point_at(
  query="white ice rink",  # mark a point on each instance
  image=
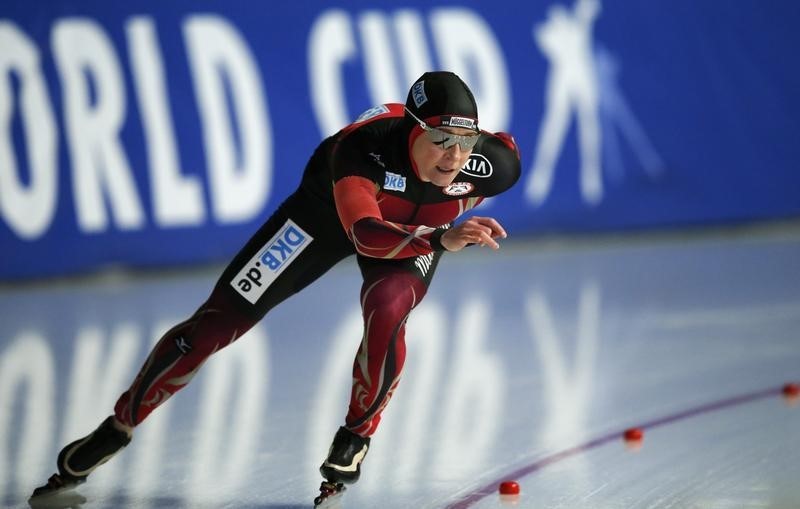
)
(527, 364)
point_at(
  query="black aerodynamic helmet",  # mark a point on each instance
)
(441, 98)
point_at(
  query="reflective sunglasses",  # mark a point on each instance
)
(444, 139)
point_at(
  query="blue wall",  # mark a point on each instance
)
(150, 134)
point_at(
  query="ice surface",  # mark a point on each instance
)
(513, 358)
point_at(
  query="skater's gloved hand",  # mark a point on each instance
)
(476, 230)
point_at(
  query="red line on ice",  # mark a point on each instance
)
(490, 488)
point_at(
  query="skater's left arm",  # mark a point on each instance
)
(476, 230)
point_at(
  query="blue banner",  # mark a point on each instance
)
(151, 134)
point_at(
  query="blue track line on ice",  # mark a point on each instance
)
(491, 488)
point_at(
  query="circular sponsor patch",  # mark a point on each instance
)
(458, 188)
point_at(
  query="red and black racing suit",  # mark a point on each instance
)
(360, 195)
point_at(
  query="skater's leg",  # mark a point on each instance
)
(388, 294)
(239, 301)
(180, 353)
(386, 300)
(226, 315)
(169, 367)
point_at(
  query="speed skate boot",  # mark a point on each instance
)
(343, 464)
(79, 459)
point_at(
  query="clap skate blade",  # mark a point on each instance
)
(329, 494)
(57, 493)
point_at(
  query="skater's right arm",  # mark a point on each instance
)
(357, 206)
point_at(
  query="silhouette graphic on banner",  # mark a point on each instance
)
(583, 81)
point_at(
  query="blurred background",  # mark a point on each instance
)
(653, 263)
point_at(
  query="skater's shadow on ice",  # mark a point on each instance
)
(62, 501)
(77, 501)
(174, 503)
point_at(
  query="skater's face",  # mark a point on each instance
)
(436, 164)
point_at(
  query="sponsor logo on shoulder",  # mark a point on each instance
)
(418, 93)
(478, 166)
(394, 182)
(281, 250)
(458, 188)
(373, 112)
